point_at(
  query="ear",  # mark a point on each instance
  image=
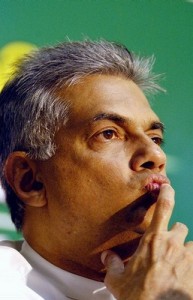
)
(21, 173)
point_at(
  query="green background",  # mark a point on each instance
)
(163, 28)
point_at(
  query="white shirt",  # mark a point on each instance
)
(25, 275)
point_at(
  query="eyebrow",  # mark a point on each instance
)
(111, 117)
(158, 125)
(121, 120)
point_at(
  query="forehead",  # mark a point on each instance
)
(98, 94)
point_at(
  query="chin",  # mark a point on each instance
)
(124, 245)
(124, 250)
(127, 249)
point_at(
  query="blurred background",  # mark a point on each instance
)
(163, 28)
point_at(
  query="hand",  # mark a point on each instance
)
(162, 266)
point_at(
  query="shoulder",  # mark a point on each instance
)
(14, 270)
(12, 244)
(11, 260)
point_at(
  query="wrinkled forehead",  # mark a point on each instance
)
(97, 94)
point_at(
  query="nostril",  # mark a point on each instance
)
(161, 167)
(148, 165)
(148, 158)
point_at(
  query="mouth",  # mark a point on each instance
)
(131, 222)
(139, 213)
(154, 182)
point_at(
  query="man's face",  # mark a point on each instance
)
(96, 184)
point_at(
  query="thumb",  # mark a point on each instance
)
(115, 268)
(113, 263)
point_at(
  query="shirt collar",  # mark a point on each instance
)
(47, 278)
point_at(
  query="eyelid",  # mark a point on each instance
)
(159, 139)
(115, 130)
(105, 130)
(156, 132)
(157, 135)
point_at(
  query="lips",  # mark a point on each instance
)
(138, 211)
(134, 219)
(154, 182)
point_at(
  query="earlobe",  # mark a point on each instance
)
(21, 174)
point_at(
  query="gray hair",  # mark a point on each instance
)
(31, 111)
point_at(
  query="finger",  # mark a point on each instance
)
(180, 231)
(113, 263)
(163, 209)
(189, 245)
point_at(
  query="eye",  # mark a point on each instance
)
(158, 140)
(109, 134)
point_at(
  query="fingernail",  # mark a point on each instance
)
(104, 256)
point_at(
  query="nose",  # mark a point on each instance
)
(148, 156)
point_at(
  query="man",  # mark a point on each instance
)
(82, 167)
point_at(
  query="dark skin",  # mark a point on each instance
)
(88, 192)
(162, 266)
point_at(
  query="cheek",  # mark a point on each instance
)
(109, 168)
(99, 171)
(95, 184)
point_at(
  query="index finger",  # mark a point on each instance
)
(163, 210)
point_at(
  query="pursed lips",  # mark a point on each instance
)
(154, 182)
(137, 213)
(130, 223)
(138, 210)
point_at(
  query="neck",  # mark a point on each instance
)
(63, 262)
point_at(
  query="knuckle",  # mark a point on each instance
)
(153, 237)
(180, 227)
(189, 245)
(188, 256)
(173, 243)
(157, 236)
